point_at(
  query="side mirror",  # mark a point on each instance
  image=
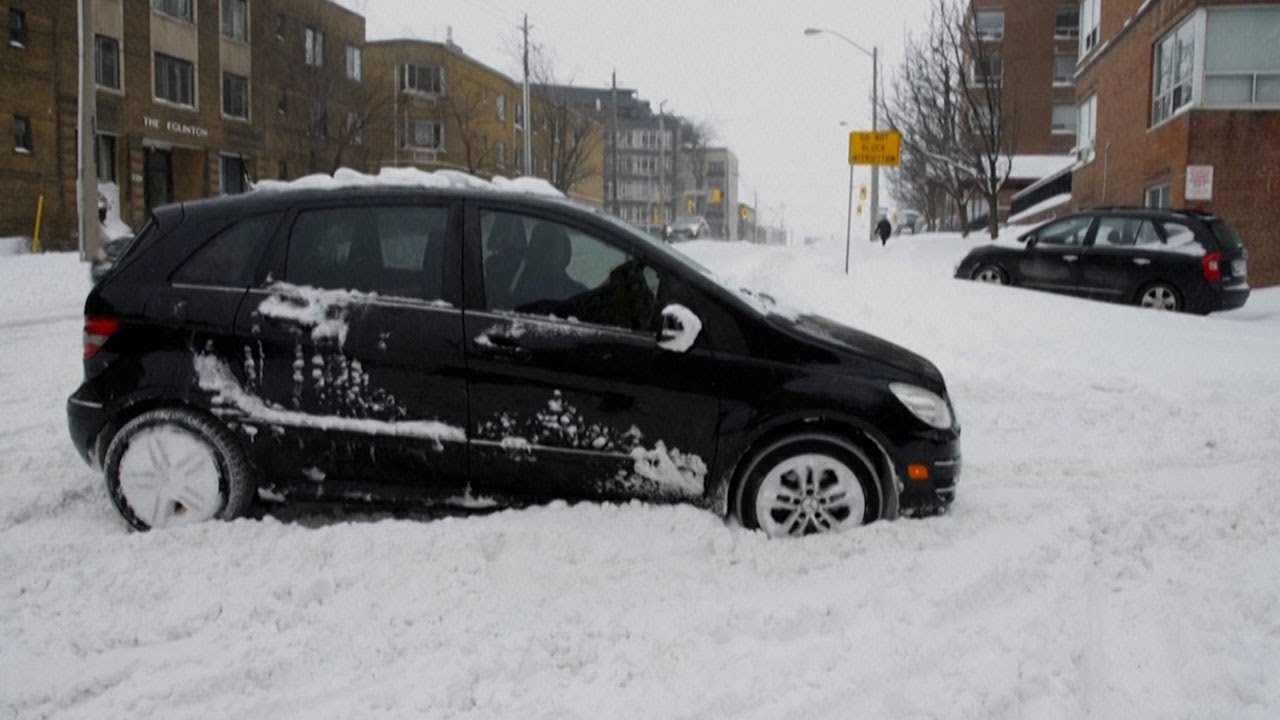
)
(1029, 239)
(678, 328)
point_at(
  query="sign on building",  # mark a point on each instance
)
(1199, 183)
(875, 148)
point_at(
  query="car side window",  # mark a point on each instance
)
(1178, 236)
(395, 250)
(542, 267)
(1117, 232)
(230, 257)
(1147, 234)
(1064, 233)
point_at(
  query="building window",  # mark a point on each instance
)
(1086, 124)
(1064, 68)
(17, 28)
(501, 154)
(355, 128)
(1242, 56)
(989, 24)
(987, 71)
(282, 169)
(1064, 119)
(425, 134)
(424, 79)
(1173, 72)
(235, 96)
(355, 63)
(314, 47)
(180, 9)
(104, 158)
(235, 19)
(1067, 22)
(1089, 10)
(280, 27)
(234, 175)
(282, 102)
(175, 80)
(519, 119)
(22, 134)
(316, 125)
(106, 61)
(502, 107)
(1157, 196)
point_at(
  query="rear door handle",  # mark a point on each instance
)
(501, 346)
(1141, 261)
(1071, 258)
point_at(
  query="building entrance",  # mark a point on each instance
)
(158, 173)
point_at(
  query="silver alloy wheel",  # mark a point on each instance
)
(169, 476)
(989, 274)
(809, 493)
(1159, 297)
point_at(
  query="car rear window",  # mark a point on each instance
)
(1227, 238)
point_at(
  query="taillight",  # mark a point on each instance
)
(1212, 264)
(96, 332)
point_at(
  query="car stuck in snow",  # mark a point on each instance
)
(413, 337)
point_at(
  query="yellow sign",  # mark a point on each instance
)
(875, 148)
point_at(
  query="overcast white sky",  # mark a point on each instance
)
(775, 96)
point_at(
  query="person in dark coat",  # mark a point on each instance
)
(883, 229)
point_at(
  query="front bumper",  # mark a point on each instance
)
(937, 489)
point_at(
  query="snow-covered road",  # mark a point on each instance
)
(1114, 550)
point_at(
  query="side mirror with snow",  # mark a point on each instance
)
(678, 328)
(1029, 239)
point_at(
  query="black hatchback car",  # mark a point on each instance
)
(392, 344)
(1162, 259)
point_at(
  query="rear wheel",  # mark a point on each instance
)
(173, 467)
(990, 274)
(1160, 296)
(808, 484)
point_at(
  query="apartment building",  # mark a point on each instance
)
(194, 98)
(721, 206)
(1179, 106)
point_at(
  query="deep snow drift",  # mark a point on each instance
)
(1114, 549)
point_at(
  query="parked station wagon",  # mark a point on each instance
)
(414, 343)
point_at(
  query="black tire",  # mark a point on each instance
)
(990, 274)
(775, 456)
(236, 483)
(1159, 296)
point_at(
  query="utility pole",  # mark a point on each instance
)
(87, 182)
(617, 210)
(875, 127)
(528, 111)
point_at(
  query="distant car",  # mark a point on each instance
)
(389, 344)
(1177, 260)
(688, 227)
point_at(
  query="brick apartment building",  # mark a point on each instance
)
(195, 98)
(1164, 85)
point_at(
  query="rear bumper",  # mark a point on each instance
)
(86, 417)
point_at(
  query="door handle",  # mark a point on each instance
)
(1071, 258)
(502, 346)
(1141, 261)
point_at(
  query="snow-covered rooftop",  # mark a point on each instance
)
(412, 177)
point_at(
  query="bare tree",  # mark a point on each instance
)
(567, 137)
(471, 110)
(698, 137)
(326, 121)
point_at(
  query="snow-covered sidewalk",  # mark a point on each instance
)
(1114, 550)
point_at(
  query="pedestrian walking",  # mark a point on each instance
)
(883, 229)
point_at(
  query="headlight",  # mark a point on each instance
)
(929, 407)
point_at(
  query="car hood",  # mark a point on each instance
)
(864, 345)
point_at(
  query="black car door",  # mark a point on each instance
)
(1119, 257)
(1051, 259)
(571, 393)
(355, 369)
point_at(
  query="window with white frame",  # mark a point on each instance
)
(180, 9)
(355, 63)
(104, 157)
(1173, 72)
(1242, 56)
(235, 96)
(314, 47)
(1157, 196)
(422, 79)
(1089, 12)
(1087, 124)
(22, 142)
(986, 70)
(1066, 23)
(1064, 120)
(317, 120)
(106, 61)
(502, 107)
(234, 174)
(425, 134)
(17, 28)
(500, 154)
(235, 19)
(175, 80)
(989, 24)
(519, 114)
(1064, 68)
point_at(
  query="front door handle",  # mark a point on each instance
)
(1141, 261)
(1071, 258)
(501, 346)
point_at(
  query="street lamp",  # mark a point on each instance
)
(873, 53)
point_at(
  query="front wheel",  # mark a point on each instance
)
(173, 466)
(808, 484)
(990, 274)
(1160, 296)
